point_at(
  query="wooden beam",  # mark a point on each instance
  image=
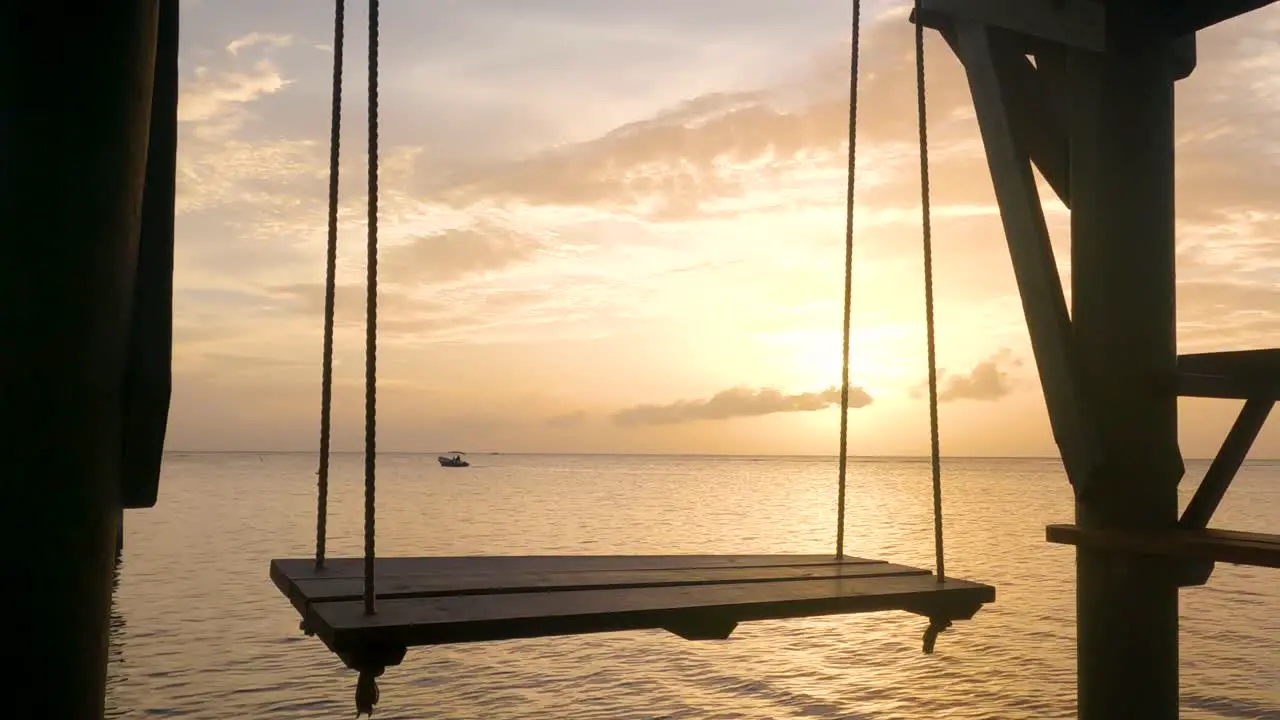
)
(1184, 57)
(1036, 100)
(1195, 572)
(1184, 17)
(1223, 387)
(1051, 70)
(1031, 109)
(1075, 23)
(1034, 265)
(1249, 363)
(119, 544)
(1025, 26)
(1236, 375)
(1228, 546)
(148, 373)
(1226, 464)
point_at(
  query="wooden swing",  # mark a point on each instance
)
(369, 611)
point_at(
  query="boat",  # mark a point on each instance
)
(453, 460)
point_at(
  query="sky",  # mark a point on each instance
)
(619, 227)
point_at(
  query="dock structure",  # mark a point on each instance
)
(1083, 89)
(88, 130)
(88, 146)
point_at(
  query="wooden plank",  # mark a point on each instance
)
(1190, 16)
(304, 568)
(1229, 546)
(1034, 266)
(1226, 464)
(1076, 23)
(1234, 363)
(1238, 374)
(1223, 387)
(456, 619)
(429, 585)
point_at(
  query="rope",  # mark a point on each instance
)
(367, 693)
(331, 265)
(848, 278)
(936, 627)
(927, 232)
(371, 327)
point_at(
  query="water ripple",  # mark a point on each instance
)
(198, 631)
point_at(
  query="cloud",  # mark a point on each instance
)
(734, 403)
(988, 380)
(349, 304)
(677, 156)
(1226, 142)
(270, 180)
(408, 317)
(567, 420)
(259, 38)
(483, 316)
(1226, 314)
(282, 180)
(456, 253)
(250, 203)
(720, 147)
(208, 93)
(758, 170)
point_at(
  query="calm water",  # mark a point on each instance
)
(200, 632)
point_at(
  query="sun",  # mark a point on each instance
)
(806, 360)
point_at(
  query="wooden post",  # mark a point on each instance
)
(1109, 67)
(148, 368)
(1120, 121)
(73, 146)
(120, 537)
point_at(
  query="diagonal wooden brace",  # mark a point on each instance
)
(1226, 463)
(1074, 23)
(1035, 268)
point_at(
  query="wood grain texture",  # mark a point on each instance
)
(443, 600)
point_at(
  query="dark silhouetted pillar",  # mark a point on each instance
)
(76, 101)
(1120, 117)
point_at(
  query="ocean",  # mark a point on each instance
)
(199, 631)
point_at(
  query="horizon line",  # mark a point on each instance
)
(651, 454)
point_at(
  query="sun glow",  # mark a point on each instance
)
(809, 359)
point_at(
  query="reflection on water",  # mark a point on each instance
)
(118, 676)
(208, 636)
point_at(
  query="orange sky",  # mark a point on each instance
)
(619, 229)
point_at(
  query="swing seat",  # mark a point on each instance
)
(446, 600)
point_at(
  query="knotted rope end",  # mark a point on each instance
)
(936, 627)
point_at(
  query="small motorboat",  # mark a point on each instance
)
(453, 460)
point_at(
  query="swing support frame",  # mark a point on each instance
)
(1095, 114)
(405, 602)
(80, 191)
